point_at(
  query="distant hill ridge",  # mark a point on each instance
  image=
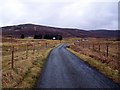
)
(31, 29)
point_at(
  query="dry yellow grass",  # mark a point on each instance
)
(108, 65)
(22, 69)
(102, 67)
(86, 47)
(26, 70)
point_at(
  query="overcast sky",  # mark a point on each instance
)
(82, 14)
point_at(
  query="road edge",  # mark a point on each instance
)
(112, 74)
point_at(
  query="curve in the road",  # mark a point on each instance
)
(64, 70)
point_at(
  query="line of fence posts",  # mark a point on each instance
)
(13, 51)
(93, 47)
(26, 51)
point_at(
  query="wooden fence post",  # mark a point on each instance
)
(46, 44)
(107, 49)
(12, 61)
(33, 48)
(26, 51)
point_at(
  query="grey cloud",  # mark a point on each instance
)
(73, 13)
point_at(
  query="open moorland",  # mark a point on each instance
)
(103, 54)
(23, 59)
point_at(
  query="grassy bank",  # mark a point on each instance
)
(33, 72)
(28, 57)
(26, 71)
(102, 67)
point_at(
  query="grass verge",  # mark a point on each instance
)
(33, 72)
(26, 71)
(102, 67)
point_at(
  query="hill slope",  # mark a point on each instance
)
(32, 29)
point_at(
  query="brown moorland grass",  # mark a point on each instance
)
(91, 48)
(108, 65)
(26, 70)
(102, 67)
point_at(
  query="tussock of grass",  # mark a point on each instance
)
(102, 67)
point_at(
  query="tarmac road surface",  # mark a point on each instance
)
(64, 70)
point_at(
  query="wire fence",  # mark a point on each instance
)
(105, 51)
(22, 50)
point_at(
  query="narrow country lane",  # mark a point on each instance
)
(64, 70)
